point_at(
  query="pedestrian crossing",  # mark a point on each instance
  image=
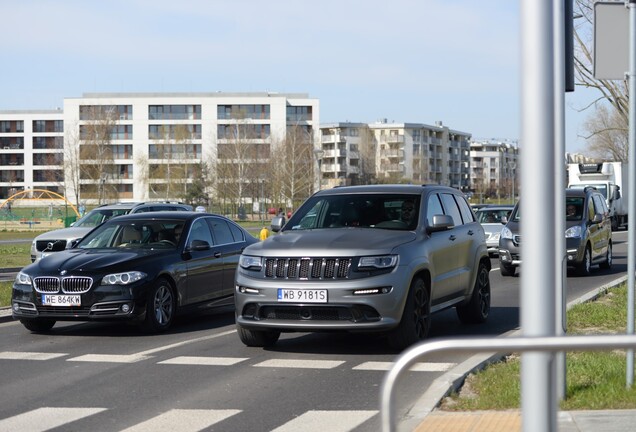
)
(183, 420)
(222, 361)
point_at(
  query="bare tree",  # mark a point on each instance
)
(170, 171)
(607, 126)
(296, 171)
(96, 153)
(367, 164)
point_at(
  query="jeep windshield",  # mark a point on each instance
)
(384, 211)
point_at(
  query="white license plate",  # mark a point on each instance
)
(302, 295)
(61, 300)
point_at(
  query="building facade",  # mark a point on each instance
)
(493, 168)
(354, 153)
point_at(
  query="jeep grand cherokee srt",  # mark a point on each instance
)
(366, 258)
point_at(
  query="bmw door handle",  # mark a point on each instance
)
(452, 237)
(217, 254)
(470, 232)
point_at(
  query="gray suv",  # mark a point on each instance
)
(588, 234)
(58, 240)
(378, 258)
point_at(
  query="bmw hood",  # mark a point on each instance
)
(331, 242)
(89, 261)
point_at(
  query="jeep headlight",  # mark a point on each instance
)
(124, 278)
(506, 233)
(250, 262)
(573, 232)
(377, 262)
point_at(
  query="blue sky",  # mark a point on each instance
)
(420, 61)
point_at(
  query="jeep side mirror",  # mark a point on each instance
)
(277, 223)
(440, 223)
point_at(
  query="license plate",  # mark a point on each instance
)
(61, 300)
(302, 295)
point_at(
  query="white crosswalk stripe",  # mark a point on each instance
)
(332, 421)
(298, 363)
(417, 367)
(183, 420)
(43, 419)
(14, 355)
(204, 361)
(110, 358)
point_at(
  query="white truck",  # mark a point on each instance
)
(610, 178)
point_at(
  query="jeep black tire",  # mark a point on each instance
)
(257, 338)
(478, 308)
(416, 317)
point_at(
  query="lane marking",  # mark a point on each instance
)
(14, 355)
(43, 419)
(183, 420)
(417, 367)
(205, 361)
(332, 421)
(304, 364)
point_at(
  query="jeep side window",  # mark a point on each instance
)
(451, 208)
(434, 207)
(467, 214)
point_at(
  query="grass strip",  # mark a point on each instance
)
(595, 380)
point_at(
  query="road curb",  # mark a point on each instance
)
(453, 380)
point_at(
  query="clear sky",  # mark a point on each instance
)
(419, 61)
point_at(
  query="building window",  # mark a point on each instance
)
(239, 112)
(174, 112)
(299, 113)
(7, 143)
(11, 126)
(103, 112)
(174, 151)
(243, 131)
(174, 132)
(48, 159)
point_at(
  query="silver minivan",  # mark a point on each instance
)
(378, 258)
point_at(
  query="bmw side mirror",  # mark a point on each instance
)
(199, 245)
(504, 220)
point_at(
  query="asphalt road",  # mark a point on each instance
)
(199, 376)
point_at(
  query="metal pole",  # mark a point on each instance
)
(538, 275)
(631, 228)
(559, 193)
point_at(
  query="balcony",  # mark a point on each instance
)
(399, 139)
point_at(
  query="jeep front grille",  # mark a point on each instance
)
(307, 268)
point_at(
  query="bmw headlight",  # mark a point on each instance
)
(22, 279)
(573, 232)
(124, 278)
(250, 262)
(506, 233)
(377, 262)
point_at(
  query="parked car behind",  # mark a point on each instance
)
(588, 234)
(143, 267)
(60, 239)
(491, 218)
(378, 258)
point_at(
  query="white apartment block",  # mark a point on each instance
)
(31, 148)
(33, 144)
(399, 152)
(493, 168)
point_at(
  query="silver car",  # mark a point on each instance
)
(492, 219)
(376, 258)
(64, 238)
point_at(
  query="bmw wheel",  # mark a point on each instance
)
(160, 307)
(38, 325)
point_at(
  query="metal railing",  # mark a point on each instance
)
(480, 345)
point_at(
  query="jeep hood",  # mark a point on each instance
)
(331, 242)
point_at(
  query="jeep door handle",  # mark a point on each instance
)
(452, 237)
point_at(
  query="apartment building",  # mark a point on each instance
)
(31, 151)
(352, 153)
(493, 168)
(143, 146)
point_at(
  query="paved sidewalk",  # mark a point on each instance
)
(510, 421)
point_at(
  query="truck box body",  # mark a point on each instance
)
(610, 178)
